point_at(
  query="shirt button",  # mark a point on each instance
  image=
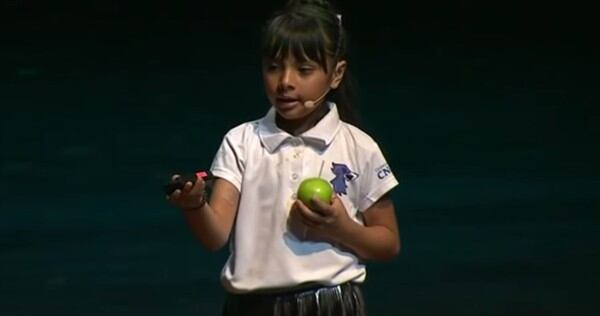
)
(294, 176)
(294, 196)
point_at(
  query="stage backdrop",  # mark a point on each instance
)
(488, 115)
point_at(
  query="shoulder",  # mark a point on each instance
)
(242, 131)
(358, 138)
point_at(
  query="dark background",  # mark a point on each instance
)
(486, 112)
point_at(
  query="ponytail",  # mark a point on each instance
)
(345, 98)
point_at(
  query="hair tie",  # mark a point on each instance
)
(339, 41)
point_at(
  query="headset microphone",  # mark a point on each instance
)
(311, 104)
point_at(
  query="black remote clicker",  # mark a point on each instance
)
(180, 181)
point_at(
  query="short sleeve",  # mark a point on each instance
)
(377, 179)
(228, 162)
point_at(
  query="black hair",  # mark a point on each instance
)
(312, 30)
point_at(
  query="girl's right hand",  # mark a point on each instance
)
(191, 196)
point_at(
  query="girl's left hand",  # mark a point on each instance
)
(320, 222)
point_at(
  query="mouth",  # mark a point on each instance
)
(285, 102)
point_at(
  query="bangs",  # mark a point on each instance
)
(303, 38)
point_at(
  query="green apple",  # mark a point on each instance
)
(315, 187)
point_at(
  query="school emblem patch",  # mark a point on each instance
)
(343, 174)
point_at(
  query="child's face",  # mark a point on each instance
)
(289, 83)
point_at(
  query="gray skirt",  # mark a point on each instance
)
(344, 299)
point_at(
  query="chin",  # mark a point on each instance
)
(291, 115)
(292, 112)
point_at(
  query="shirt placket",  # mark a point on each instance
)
(296, 164)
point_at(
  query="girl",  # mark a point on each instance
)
(288, 258)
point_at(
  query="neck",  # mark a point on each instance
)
(301, 125)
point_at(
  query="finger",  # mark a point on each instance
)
(324, 211)
(295, 224)
(175, 200)
(309, 217)
(321, 207)
(187, 187)
(198, 187)
(294, 210)
(174, 177)
(335, 199)
(297, 217)
(175, 195)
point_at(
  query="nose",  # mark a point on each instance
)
(286, 80)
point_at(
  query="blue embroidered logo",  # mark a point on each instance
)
(383, 171)
(342, 174)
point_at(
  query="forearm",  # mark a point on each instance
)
(369, 242)
(208, 226)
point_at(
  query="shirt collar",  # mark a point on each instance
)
(319, 136)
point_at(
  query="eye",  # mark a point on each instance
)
(272, 66)
(306, 69)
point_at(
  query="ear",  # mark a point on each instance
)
(338, 74)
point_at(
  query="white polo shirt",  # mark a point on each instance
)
(266, 164)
